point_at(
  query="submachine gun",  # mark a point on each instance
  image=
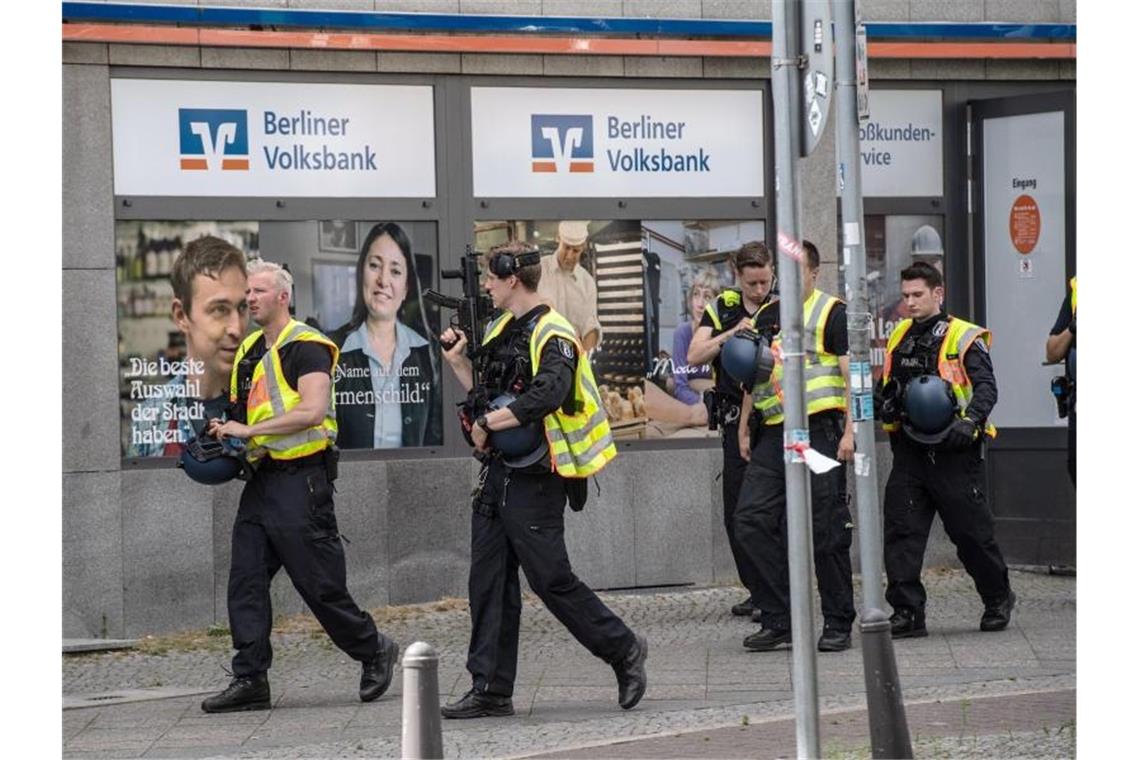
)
(471, 314)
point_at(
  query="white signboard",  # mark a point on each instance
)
(563, 143)
(1024, 180)
(901, 144)
(272, 139)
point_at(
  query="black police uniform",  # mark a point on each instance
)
(762, 512)
(517, 521)
(286, 519)
(728, 395)
(925, 480)
(1066, 319)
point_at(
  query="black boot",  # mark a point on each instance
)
(743, 609)
(376, 674)
(834, 640)
(908, 623)
(243, 693)
(478, 704)
(997, 616)
(767, 638)
(630, 671)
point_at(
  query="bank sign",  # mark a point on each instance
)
(270, 139)
(900, 145)
(545, 142)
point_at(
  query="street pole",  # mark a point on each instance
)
(885, 712)
(786, 98)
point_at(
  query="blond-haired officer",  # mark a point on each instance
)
(282, 381)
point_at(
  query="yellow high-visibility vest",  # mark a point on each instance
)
(951, 366)
(580, 443)
(824, 385)
(1073, 294)
(270, 395)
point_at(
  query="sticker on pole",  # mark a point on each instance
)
(860, 377)
(789, 246)
(797, 449)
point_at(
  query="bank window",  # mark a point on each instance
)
(894, 242)
(634, 291)
(359, 282)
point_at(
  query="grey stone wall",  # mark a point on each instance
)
(146, 550)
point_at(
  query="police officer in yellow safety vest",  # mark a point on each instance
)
(761, 513)
(1061, 345)
(751, 305)
(935, 397)
(531, 363)
(281, 394)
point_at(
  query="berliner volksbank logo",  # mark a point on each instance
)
(213, 139)
(562, 143)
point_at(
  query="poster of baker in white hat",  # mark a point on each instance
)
(568, 287)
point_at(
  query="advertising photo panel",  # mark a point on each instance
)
(894, 242)
(358, 282)
(634, 292)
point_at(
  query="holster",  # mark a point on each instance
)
(576, 493)
(332, 459)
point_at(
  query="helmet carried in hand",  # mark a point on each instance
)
(211, 462)
(928, 409)
(747, 358)
(520, 446)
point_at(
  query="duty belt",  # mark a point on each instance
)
(292, 465)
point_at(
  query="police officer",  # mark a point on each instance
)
(749, 306)
(281, 388)
(1061, 345)
(761, 514)
(531, 352)
(936, 395)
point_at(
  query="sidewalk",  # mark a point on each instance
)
(707, 696)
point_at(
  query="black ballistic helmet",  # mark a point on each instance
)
(928, 409)
(747, 358)
(210, 461)
(520, 446)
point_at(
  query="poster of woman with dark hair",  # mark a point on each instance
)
(387, 383)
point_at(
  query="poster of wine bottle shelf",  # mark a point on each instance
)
(620, 362)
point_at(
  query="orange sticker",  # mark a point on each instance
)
(1024, 224)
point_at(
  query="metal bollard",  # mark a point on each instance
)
(422, 737)
(889, 734)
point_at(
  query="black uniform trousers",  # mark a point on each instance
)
(951, 484)
(1072, 453)
(762, 526)
(286, 519)
(523, 526)
(732, 475)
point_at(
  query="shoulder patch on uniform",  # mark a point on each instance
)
(565, 347)
(730, 297)
(940, 328)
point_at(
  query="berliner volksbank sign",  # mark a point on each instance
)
(182, 138)
(540, 142)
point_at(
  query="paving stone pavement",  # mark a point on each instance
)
(700, 679)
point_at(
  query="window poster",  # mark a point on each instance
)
(893, 243)
(634, 292)
(182, 315)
